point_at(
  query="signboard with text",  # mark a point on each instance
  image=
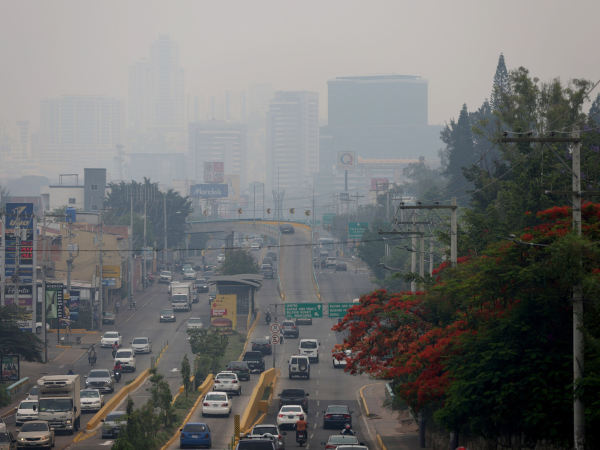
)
(54, 301)
(339, 309)
(346, 161)
(303, 310)
(328, 218)
(356, 229)
(223, 313)
(209, 190)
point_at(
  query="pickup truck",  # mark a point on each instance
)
(255, 361)
(331, 262)
(294, 397)
(268, 431)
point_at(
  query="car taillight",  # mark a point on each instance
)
(328, 416)
(293, 326)
(268, 345)
(205, 404)
(224, 404)
(217, 381)
(234, 381)
(330, 446)
(280, 415)
(346, 416)
(280, 437)
(182, 436)
(207, 436)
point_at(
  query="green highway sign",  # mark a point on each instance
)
(339, 309)
(356, 229)
(328, 219)
(303, 310)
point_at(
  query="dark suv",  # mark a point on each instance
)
(294, 397)
(290, 328)
(241, 369)
(286, 228)
(262, 345)
(255, 360)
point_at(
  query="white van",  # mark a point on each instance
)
(310, 348)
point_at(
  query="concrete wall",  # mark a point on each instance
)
(54, 197)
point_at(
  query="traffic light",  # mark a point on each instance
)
(307, 212)
(239, 210)
(268, 210)
(292, 210)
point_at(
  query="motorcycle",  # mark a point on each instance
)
(268, 319)
(117, 374)
(301, 438)
(92, 360)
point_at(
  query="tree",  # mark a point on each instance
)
(14, 341)
(160, 396)
(186, 373)
(209, 345)
(421, 180)
(502, 86)
(4, 197)
(594, 113)
(139, 428)
(238, 262)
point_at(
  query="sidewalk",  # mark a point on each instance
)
(397, 430)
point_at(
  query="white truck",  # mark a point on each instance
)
(59, 402)
(182, 296)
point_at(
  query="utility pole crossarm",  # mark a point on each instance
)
(580, 193)
(400, 232)
(429, 207)
(574, 140)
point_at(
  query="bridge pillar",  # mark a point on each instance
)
(229, 241)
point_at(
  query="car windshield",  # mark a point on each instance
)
(90, 394)
(216, 397)
(225, 375)
(238, 365)
(27, 405)
(195, 321)
(165, 274)
(195, 428)
(107, 314)
(140, 341)
(261, 341)
(337, 410)
(34, 391)
(111, 335)
(288, 324)
(309, 344)
(123, 354)
(35, 426)
(179, 298)
(100, 373)
(265, 429)
(55, 405)
(167, 312)
(343, 440)
(288, 409)
(292, 393)
(113, 417)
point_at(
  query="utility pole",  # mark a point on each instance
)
(413, 255)
(165, 215)
(144, 252)
(254, 207)
(100, 288)
(44, 291)
(130, 278)
(431, 254)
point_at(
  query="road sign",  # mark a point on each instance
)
(275, 339)
(303, 310)
(339, 309)
(275, 328)
(328, 218)
(356, 229)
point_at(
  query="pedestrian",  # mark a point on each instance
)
(117, 304)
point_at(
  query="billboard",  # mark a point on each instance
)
(346, 161)
(344, 196)
(214, 172)
(223, 313)
(379, 184)
(21, 215)
(72, 309)
(54, 301)
(208, 190)
(233, 187)
(25, 297)
(10, 368)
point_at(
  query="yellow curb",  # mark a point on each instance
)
(380, 442)
(83, 436)
(63, 346)
(161, 353)
(248, 335)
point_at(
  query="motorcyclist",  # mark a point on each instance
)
(268, 316)
(117, 370)
(348, 431)
(301, 426)
(92, 355)
(115, 347)
(71, 372)
(323, 264)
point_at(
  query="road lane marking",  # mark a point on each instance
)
(318, 401)
(315, 425)
(311, 436)
(317, 382)
(317, 414)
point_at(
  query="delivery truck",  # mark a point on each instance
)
(182, 296)
(59, 402)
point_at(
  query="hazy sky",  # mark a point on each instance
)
(50, 48)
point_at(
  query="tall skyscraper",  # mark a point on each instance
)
(292, 139)
(259, 97)
(157, 90)
(78, 131)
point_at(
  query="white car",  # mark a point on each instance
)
(126, 356)
(195, 323)
(255, 246)
(91, 400)
(227, 382)
(340, 363)
(109, 338)
(216, 403)
(33, 394)
(189, 274)
(310, 348)
(289, 415)
(221, 258)
(141, 345)
(26, 411)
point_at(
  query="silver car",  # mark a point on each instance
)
(100, 379)
(91, 400)
(112, 424)
(195, 323)
(141, 345)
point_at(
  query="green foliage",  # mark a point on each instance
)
(203, 366)
(420, 180)
(161, 398)
(139, 428)
(238, 262)
(4, 397)
(138, 228)
(186, 373)
(14, 341)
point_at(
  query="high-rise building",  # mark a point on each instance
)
(216, 141)
(259, 97)
(292, 139)
(157, 90)
(381, 117)
(78, 131)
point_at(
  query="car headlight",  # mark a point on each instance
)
(69, 421)
(22, 439)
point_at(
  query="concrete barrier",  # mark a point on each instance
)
(16, 388)
(256, 404)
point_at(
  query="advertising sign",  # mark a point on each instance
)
(233, 187)
(111, 271)
(25, 250)
(379, 184)
(356, 229)
(21, 215)
(54, 301)
(344, 196)
(208, 190)
(10, 368)
(346, 161)
(110, 282)
(303, 310)
(223, 313)
(73, 305)
(214, 172)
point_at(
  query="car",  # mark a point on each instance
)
(290, 328)
(126, 356)
(108, 317)
(208, 274)
(352, 447)
(304, 321)
(100, 379)
(201, 285)
(262, 345)
(109, 338)
(267, 260)
(339, 359)
(255, 246)
(341, 267)
(265, 430)
(197, 267)
(221, 258)
(26, 411)
(323, 254)
(338, 440)
(289, 414)
(167, 315)
(36, 433)
(165, 277)
(7, 439)
(286, 228)
(212, 296)
(337, 416)
(227, 382)
(240, 368)
(294, 396)
(33, 394)
(112, 424)
(195, 434)
(330, 262)
(141, 345)
(195, 323)
(245, 244)
(255, 360)
(38, 327)
(310, 348)
(216, 403)
(189, 274)
(255, 444)
(272, 255)
(299, 366)
(91, 400)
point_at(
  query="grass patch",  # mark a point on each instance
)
(234, 349)
(129, 382)
(182, 407)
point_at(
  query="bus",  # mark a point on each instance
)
(326, 244)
